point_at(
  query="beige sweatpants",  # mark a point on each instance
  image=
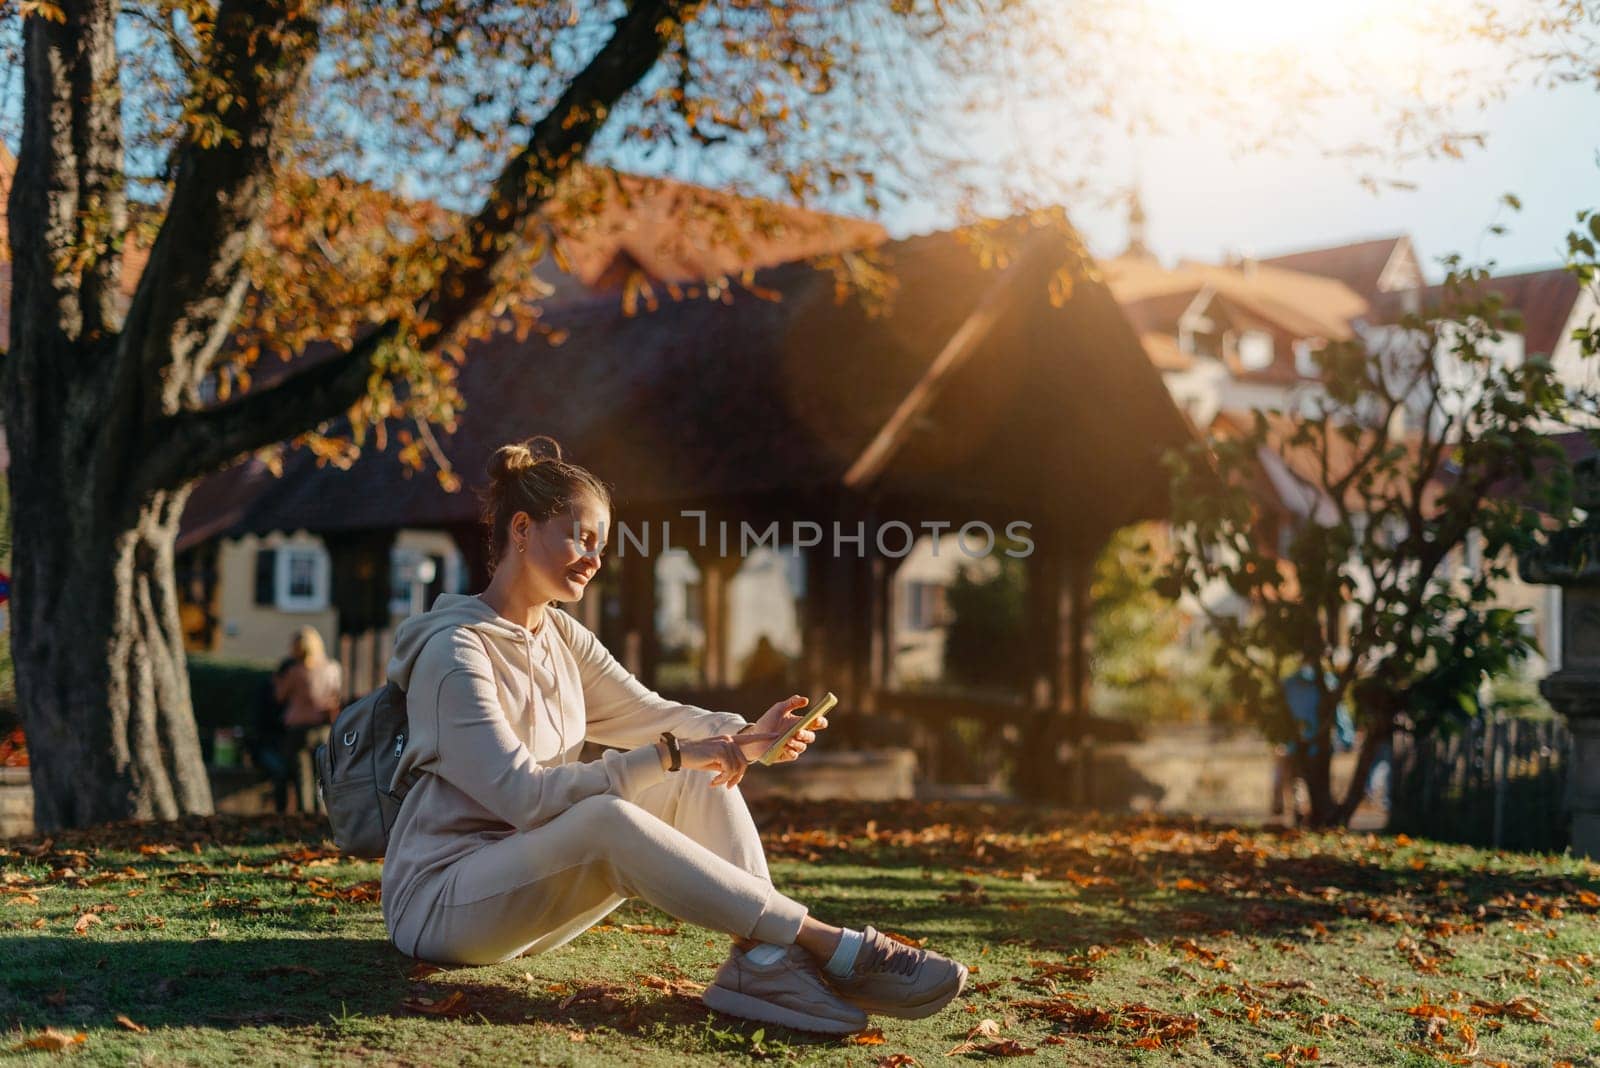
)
(686, 847)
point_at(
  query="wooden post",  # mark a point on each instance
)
(639, 643)
(1505, 738)
(716, 572)
(880, 571)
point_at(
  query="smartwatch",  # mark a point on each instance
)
(673, 751)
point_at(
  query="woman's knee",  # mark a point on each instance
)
(611, 819)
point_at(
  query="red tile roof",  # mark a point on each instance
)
(1358, 265)
(1545, 299)
(1058, 414)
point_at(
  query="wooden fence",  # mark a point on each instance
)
(1500, 782)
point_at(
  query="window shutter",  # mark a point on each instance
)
(267, 577)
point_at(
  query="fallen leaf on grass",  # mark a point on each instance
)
(588, 993)
(648, 929)
(1296, 1054)
(906, 940)
(897, 1060)
(985, 1028)
(421, 970)
(86, 921)
(680, 986)
(22, 899)
(1521, 1007)
(128, 1025)
(51, 1039)
(452, 1004)
(872, 1036)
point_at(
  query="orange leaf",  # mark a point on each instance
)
(128, 1025)
(905, 940)
(452, 1004)
(872, 1036)
(421, 970)
(86, 921)
(648, 929)
(897, 1060)
(51, 1039)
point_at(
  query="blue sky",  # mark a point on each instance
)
(1203, 202)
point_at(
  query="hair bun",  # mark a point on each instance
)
(512, 460)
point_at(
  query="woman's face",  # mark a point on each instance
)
(561, 555)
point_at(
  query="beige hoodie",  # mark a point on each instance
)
(498, 715)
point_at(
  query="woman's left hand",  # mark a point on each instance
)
(783, 715)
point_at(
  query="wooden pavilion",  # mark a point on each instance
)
(970, 395)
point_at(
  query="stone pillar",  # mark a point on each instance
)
(1569, 559)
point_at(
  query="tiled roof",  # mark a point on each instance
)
(1303, 305)
(1359, 265)
(674, 231)
(1544, 298)
(1058, 412)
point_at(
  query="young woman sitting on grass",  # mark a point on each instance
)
(509, 845)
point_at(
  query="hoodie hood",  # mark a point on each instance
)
(464, 610)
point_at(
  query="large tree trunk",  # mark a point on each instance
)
(101, 682)
(101, 408)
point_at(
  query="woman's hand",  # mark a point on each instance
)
(778, 719)
(725, 754)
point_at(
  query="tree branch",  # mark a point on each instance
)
(67, 203)
(189, 296)
(197, 442)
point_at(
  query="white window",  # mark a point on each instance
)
(1472, 553)
(301, 579)
(1255, 350)
(411, 572)
(926, 607)
(1305, 359)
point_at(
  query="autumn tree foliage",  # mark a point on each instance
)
(239, 223)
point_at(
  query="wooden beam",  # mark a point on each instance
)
(897, 430)
(715, 574)
(639, 643)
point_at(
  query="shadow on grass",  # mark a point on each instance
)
(1207, 893)
(305, 982)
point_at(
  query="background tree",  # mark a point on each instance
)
(1420, 437)
(985, 645)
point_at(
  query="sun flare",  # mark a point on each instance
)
(1257, 26)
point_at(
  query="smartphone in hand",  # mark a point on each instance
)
(812, 714)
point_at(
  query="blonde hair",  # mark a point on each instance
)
(531, 476)
(307, 647)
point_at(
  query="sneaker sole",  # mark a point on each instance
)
(944, 996)
(733, 1003)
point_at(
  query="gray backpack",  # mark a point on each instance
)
(355, 771)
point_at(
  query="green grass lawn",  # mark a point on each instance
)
(233, 941)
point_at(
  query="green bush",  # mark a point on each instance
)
(226, 693)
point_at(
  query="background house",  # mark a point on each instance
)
(1238, 336)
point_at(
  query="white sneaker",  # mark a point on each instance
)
(789, 992)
